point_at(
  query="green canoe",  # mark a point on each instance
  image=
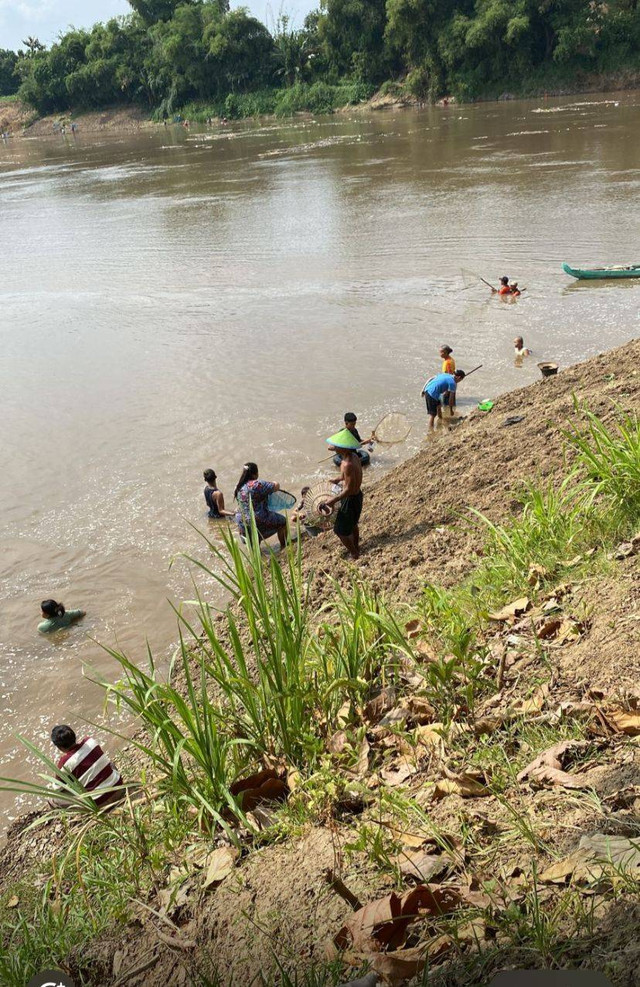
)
(621, 271)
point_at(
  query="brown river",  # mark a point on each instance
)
(175, 300)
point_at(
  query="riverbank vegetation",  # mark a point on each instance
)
(198, 56)
(318, 745)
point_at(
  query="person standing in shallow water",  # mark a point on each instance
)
(214, 498)
(347, 523)
(56, 617)
(448, 367)
(252, 492)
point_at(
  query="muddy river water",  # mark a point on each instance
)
(175, 300)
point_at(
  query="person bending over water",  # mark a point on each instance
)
(56, 616)
(214, 497)
(252, 491)
(435, 389)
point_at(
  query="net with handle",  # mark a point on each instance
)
(281, 500)
(393, 428)
(316, 495)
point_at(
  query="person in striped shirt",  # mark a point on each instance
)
(89, 765)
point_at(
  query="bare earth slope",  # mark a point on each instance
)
(481, 463)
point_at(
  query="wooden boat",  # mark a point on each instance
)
(593, 273)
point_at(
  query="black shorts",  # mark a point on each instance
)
(348, 515)
(432, 404)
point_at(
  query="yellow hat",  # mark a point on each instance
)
(343, 440)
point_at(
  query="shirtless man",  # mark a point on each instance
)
(346, 525)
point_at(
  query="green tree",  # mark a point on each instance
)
(9, 80)
(294, 51)
(352, 36)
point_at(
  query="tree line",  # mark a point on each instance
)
(169, 53)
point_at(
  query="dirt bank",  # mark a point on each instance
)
(117, 120)
(489, 837)
(394, 98)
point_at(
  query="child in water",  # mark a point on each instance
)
(214, 498)
(57, 617)
(520, 348)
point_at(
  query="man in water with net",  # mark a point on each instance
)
(347, 523)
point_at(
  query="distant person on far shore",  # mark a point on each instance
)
(214, 498)
(56, 617)
(435, 389)
(448, 367)
(88, 765)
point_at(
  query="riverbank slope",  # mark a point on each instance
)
(498, 764)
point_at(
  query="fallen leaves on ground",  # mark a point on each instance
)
(376, 708)
(534, 703)
(561, 630)
(548, 767)
(413, 628)
(536, 575)
(627, 548)
(625, 721)
(512, 610)
(420, 711)
(221, 863)
(265, 786)
(467, 784)
(596, 856)
(398, 772)
(422, 866)
(403, 964)
(382, 924)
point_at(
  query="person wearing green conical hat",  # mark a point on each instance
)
(347, 521)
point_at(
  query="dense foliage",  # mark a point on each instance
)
(168, 53)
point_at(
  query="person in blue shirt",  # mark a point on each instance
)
(435, 389)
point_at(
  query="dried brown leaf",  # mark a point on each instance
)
(550, 628)
(376, 708)
(548, 767)
(422, 866)
(413, 628)
(264, 786)
(595, 856)
(420, 710)
(466, 784)
(383, 923)
(512, 610)
(624, 721)
(338, 742)
(221, 863)
(398, 772)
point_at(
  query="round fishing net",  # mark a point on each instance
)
(394, 427)
(311, 501)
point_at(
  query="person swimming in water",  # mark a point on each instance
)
(214, 498)
(57, 617)
(505, 287)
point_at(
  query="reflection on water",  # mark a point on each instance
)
(173, 301)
